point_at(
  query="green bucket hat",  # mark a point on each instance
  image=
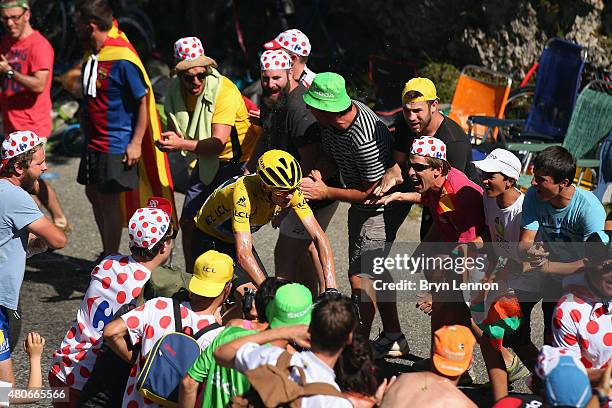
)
(328, 93)
(292, 304)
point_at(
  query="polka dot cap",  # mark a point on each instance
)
(188, 48)
(17, 143)
(428, 146)
(274, 59)
(147, 226)
(292, 40)
(548, 359)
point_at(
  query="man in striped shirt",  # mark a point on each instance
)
(355, 139)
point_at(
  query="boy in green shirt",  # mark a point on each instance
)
(221, 383)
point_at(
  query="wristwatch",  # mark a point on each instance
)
(10, 73)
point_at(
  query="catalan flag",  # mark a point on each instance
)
(154, 174)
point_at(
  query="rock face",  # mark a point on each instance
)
(499, 34)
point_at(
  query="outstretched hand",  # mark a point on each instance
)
(313, 186)
(34, 344)
(391, 178)
(170, 141)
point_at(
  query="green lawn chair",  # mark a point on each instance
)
(590, 123)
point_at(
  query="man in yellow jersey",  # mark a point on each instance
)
(242, 205)
(207, 116)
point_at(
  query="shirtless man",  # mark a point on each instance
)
(437, 388)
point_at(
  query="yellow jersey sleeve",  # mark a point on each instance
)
(229, 104)
(241, 205)
(300, 206)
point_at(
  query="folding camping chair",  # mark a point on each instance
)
(590, 123)
(556, 88)
(479, 92)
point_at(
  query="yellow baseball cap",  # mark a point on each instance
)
(211, 272)
(424, 86)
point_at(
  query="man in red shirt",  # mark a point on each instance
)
(26, 70)
(456, 206)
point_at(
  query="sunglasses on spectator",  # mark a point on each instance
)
(419, 167)
(189, 78)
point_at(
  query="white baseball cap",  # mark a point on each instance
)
(500, 161)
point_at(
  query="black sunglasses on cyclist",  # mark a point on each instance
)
(419, 167)
(189, 78)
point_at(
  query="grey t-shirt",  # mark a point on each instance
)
(17, 211)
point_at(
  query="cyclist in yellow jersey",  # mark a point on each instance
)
(242, 205)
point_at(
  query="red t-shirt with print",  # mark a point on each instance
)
(457, 209)
(23, 109)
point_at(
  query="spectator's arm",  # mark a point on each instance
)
(45, 229)
(213, 146)
(562, 268)
(314, 188)
(33, 345)
(115, 336)
(393, 174)
(226, 353)
(526, 241)
(188, 392)
(34, 83)
(133, 151)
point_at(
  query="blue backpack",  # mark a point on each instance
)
(168, 362)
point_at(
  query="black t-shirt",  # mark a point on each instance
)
(458, 147)
(291, 126)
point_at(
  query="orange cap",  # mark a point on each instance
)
(452, 353)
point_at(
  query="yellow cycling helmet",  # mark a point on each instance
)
(279, 170)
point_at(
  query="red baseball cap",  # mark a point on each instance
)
(292, 40)
(161, 203)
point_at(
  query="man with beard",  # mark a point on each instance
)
(26, 67)
(207, 116)
(288, 125)
(297, 46)
(24, 230)
(422, 117)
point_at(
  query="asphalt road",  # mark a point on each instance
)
(54, 284)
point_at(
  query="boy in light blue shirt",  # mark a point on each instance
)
(563, 216)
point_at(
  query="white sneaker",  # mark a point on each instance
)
(385, 347)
